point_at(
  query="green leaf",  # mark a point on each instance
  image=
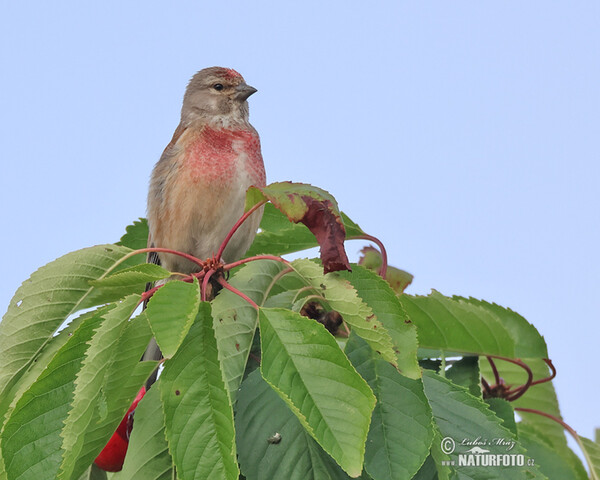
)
(124, 377)
(464, 419)
(171, 312)
(148, 455)
(93, 473)
(261, 419)
(540, 397)
(504, 411)
(540, 449)
(401, 426)
(135, 275)
(197, 408)
(315, 208)
(428, 470)
(303, 363)
(378, 295)
(465, 372)
(352, 228)
(136, 237)
(96, 412)
(236, 320)
(279, 236)
(397, 279)
(43, 359)
(468, 326)
(31, 441)
(591, 452)
(339, 295)
(440, 459)
(43, 303)
(530, 344)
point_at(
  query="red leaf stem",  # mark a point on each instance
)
(230, 266)
(494, 369)
(226, 285)
(379, 243)
(235, 227)
(191, 258)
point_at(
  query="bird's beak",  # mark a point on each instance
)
(243, 91)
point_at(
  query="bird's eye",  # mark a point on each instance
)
(218, 86)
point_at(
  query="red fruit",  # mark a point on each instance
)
(112, 456)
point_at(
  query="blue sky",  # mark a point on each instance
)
(463, 134)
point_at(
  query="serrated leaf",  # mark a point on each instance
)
(279, 236)
(401, 426)
(505, 412)
(235, 320)
(272, 442)
(541, 397)
(43, 303)
(529, 342)
(41, 361)
(171, 312)
(135, 275)
(124, 376)
(540, 449)
(591, 452)
(385, 305)
(465, 372)
(89, 393)
(315, 208)
(31, 441)
(148, 455)
(303, 363)
(464, 418)
(136, 236)
(467, 326)
(397, 279)
(197, 408)
(339, 294)
(440, 459)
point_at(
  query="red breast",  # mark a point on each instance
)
(213, 156)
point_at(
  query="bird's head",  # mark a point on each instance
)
(216, 95)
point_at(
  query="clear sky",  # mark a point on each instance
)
(464, 134)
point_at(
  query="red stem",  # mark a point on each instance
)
(518, 392)
(494, 369)
(235, 227)
(147, 294)
(224, 283)
(486, 386)
(188, 278)
(552, 375)
(191, 258)
(375, 240)
(551, 417)
(229, 266)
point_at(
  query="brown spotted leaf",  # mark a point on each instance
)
(315, 208)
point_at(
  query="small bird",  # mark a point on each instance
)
(198, 187)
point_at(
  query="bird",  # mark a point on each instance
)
(198, 187)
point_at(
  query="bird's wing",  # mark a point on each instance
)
(152, 351)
